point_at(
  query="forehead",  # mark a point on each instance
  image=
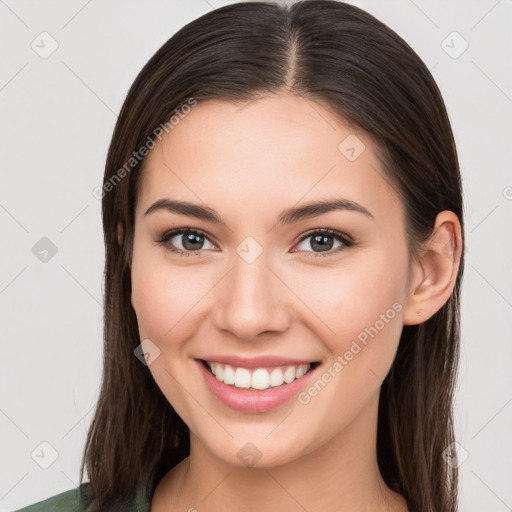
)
(263, 155)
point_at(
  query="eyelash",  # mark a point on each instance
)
(166, 236)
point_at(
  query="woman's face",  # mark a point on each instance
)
(263, 290)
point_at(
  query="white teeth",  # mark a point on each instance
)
(301, 370)
(276, 377)
(260, 378)
(229, 375)
(219, 371)
(289, 374)
(242, 378)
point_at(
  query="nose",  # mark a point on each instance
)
(252, 301)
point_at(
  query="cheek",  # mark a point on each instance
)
(362, 309)
(160, 300)
(361, 305)
(167, 299)
(354, 297)
(163, 300)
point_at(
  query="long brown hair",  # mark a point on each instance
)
(344, 58)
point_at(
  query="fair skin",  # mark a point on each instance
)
(249, 163)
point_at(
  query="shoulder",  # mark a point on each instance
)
(73, 500)
(79, 500)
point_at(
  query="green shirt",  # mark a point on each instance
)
(74, 501)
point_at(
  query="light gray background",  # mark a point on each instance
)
(57, 117)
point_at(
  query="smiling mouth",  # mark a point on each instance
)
(257, 379)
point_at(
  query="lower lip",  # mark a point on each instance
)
(253, 401)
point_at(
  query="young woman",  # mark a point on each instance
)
(283, 224)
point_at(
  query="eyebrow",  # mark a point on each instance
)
(288, 216)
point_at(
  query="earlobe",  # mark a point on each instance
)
(435, 272)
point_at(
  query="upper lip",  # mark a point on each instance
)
(256, 362)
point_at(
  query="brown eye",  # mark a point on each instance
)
(186, 241)
(323, 241)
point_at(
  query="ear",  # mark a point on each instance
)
(120, 233)
(435, 272)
